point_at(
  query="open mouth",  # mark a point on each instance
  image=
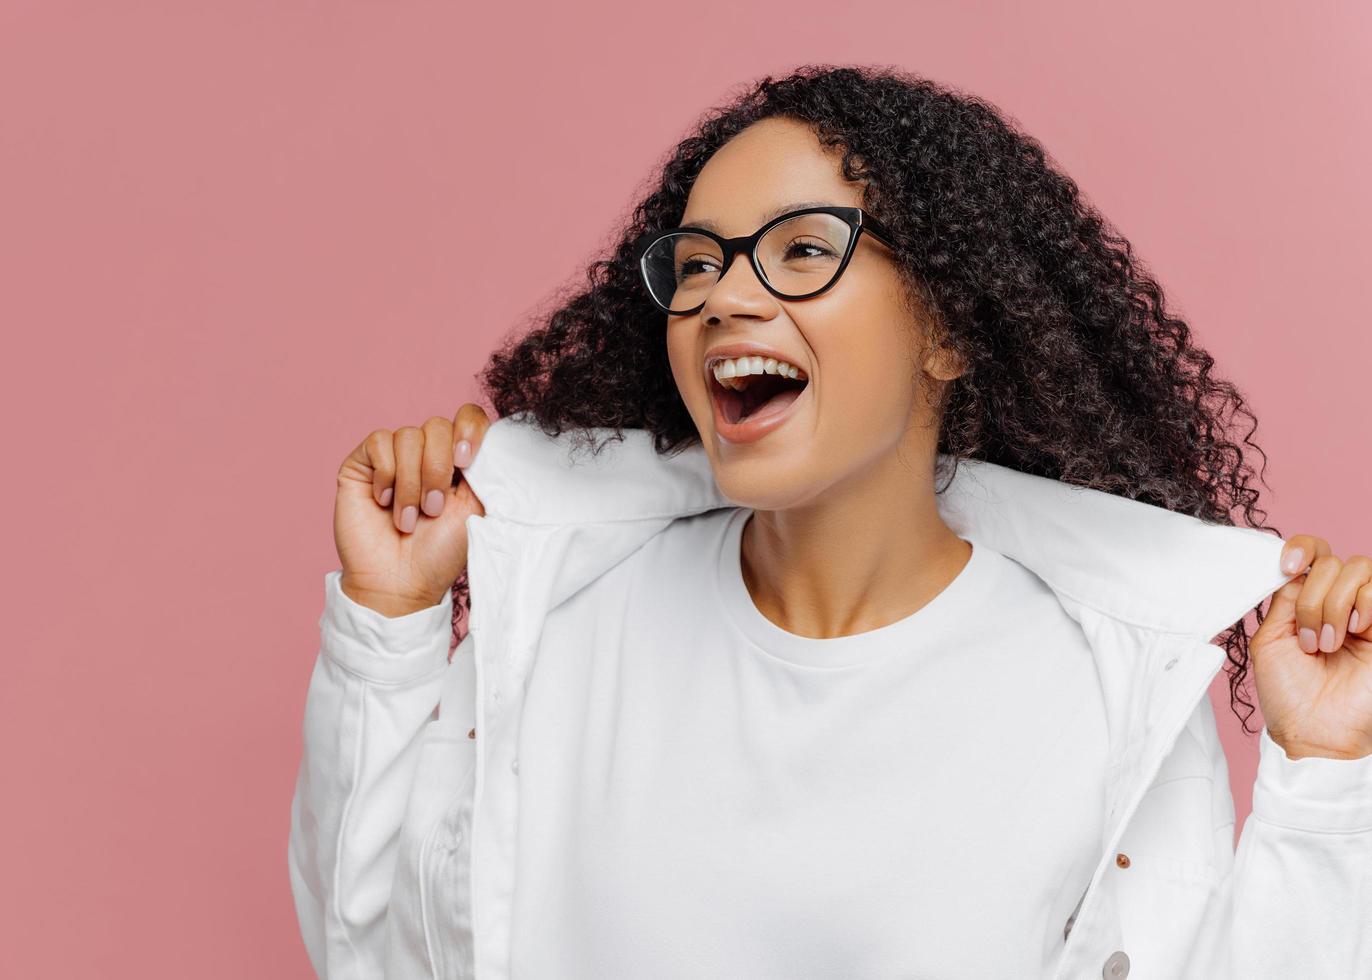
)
(758, 396)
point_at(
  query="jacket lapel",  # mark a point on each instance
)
(1136, 562)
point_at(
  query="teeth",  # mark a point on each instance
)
(733, 372)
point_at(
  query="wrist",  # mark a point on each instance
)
(387, 604)
(1295, 749)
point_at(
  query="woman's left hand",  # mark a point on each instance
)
(1312, 655)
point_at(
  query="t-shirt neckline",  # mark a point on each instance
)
(937, 621)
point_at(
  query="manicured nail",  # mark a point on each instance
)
(1307, 639)
(408, 518)
(386, 496)
(1327, 638)
(433, 503)
(1353, 621)
(462, 454)
(1293, 562)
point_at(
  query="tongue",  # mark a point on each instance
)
(776, 404)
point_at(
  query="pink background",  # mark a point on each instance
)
(236, 237)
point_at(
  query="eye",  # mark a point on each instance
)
(796, 250)
(695, 267)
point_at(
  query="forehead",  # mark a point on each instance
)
(772, 166)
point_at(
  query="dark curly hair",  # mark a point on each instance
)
(1074, 368)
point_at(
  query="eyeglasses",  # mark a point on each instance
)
(795, 255)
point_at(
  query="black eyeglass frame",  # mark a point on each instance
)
(856, 218)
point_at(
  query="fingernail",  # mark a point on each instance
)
(1293, 562)
(433, 503)
(1307, 639)
(462, 454)
(408, 518)
(1353, 621)
(386, 496)
(1327, 638)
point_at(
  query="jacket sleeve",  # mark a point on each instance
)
(375, 684)
(1294, 899)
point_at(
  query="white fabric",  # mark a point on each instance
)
(404, 844)
(811, 807)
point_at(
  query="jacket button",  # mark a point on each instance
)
(1116, 967)
(1122, 860)
(514, 766)
(472, 733)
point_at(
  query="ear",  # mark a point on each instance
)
(944, 364)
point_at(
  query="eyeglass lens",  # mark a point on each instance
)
(798, 256)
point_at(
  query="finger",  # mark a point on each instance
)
(369, 463)
(1310, 603)
(1280, 618)
(1338, 604)
(1300, 550)
(1360, 620)
(409, 463)
(469, 428)
(382, 459)
(436, 476)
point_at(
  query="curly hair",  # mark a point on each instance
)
(1074, 369)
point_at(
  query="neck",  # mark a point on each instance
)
(871, 551)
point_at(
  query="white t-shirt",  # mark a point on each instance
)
(706, 795)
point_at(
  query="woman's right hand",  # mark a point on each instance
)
(399, 523)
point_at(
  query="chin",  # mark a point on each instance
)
(763, 484)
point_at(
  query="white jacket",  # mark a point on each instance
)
(401, 849)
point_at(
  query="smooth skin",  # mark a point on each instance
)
(845, 535)
(1312, 655)
(400, 523)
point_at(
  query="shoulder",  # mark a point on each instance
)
(682, 555)
(1030, 602)
(692, 535)
(685, 545)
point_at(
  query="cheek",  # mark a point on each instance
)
(867, 379)
(681, 354)
(862, 342)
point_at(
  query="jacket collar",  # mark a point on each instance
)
(1136, 562)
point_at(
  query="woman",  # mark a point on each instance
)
(820, 732)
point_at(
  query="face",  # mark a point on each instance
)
(857, 343)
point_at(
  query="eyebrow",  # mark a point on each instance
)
(709, 225)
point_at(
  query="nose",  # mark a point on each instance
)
(741, 293)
